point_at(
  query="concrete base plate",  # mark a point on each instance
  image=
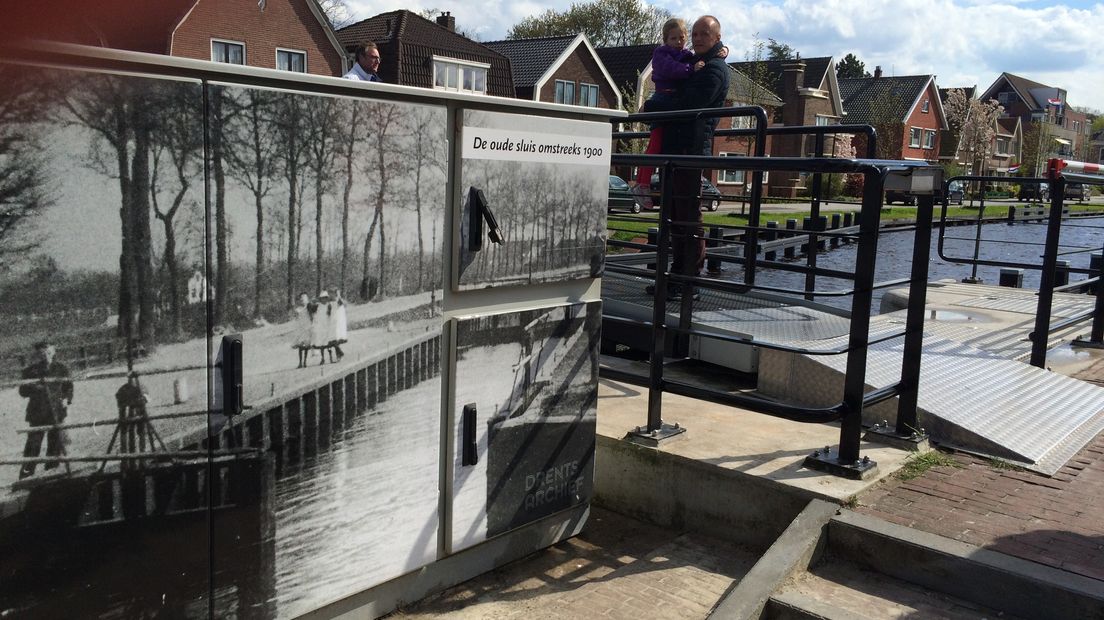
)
(829, 464)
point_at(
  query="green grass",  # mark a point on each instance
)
(637, 225)
(918, 463)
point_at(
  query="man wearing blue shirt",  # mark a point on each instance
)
(366, 65)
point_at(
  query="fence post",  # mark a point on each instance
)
(1041, 333)
(914, 319)
(771, 235)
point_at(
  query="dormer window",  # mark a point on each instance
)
(458, 75)
(924, 107)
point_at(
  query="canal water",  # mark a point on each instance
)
(372, 474)
(1021, 243)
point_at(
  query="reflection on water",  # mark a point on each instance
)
(365, 510)
(999, 242)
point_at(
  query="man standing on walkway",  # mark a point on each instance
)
(49, 392)
(366, 64)
(706, 88)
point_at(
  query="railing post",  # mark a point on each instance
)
(854, 385)
(974, 279)
(1041, 334)
(914, 320)
(659, 302)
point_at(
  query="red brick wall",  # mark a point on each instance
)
(580, 66)
(287, 24)
(924, 120)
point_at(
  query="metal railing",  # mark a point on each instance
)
(1056, 182)
(875, 174)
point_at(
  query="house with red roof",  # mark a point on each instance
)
(906, 110)
(292, 35)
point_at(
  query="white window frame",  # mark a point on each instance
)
(924, 107)
(929, 139)
(1007, 143)
(560, 96)
(288, 50)
(462, 67)
(722, 174)
(823, 120)
(245, 53)
(588, 88)
(918, 132)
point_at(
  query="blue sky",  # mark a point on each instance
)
(963, 42)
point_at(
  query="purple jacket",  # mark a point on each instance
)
(670, 66)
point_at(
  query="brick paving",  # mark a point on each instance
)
(1057, 521)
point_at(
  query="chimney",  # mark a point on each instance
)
(878, 71)
(447, 20)
(793, 76)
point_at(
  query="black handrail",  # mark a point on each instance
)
(1056, 184)
(875, 172)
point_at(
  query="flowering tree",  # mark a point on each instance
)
(973, 124)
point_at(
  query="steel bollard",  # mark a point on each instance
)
(835, 226)
(771, 235)
(1011, 277)
(789, 251)
(1061, 273)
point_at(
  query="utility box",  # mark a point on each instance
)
(409, 398)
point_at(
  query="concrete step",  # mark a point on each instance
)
(841, 590)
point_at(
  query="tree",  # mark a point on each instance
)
(776, 50)
(607, 23)
(337, 11)
(973, 124)
(179, 137)
(886, 120)
(851, 67)
(252, 159)
(23, 174)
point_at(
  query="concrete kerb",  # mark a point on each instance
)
(684, 494)
(795, 550)
(988, 578)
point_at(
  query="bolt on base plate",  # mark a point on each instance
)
(916, 441)
(666, 432)
(828, 462)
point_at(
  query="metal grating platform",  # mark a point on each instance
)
(974, 393)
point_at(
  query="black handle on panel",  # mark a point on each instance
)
(479, 212)
(470, 450)
(233, 395)
(476, 200)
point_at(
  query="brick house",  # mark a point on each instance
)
(809, 95)
(564, 69)
(1060, 130)
(291, 35)
(906, 111)
(1007, 146)
(415, 51)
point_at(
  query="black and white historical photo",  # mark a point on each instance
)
(526, 404)
(545, 185)
(318, 240)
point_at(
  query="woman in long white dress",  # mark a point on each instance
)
(320, 325)
(339, 325)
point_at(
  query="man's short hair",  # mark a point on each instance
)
(42, 345)
(363, 47)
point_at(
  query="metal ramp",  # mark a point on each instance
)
(974, 394)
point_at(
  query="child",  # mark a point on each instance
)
(671, 64)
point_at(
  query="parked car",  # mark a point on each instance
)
(1033, 191)
(1077, 191)
(892, 196)
(621, 196)
(710, 195)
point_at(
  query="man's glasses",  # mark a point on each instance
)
(375, 58)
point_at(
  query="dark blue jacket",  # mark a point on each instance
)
(706, 88)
